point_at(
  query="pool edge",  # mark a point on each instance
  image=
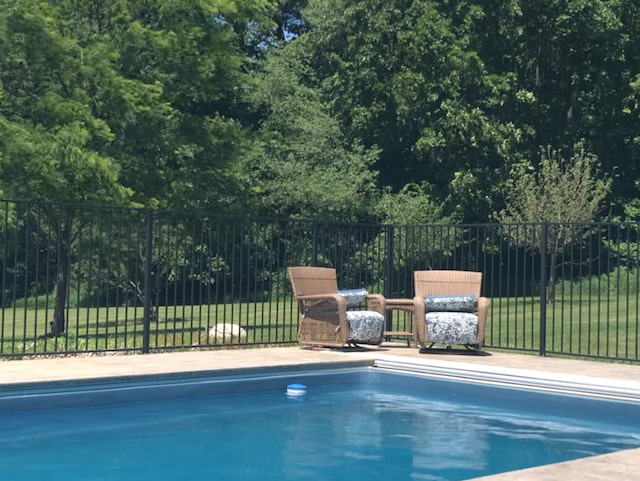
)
(531, 379)
(622, 465)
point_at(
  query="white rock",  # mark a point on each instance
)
(227, 332)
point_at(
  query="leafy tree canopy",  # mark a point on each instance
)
(560, 189)
(303, 164)
(117, 101)
(230, 104)
(565, 191)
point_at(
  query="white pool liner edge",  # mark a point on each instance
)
(524, 378)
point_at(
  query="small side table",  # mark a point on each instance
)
(405, 305)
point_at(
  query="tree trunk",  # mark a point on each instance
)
(153, 312)
(61, 289)
(551, 285)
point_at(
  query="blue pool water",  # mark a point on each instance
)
(352, 424)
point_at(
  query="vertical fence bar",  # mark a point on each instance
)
(243, 266)
(146, 331)
(543, 289)
(388, 287)
(314, 244)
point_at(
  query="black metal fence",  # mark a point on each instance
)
(78, 278)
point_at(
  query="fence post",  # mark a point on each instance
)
(146, 330)
(314, 244)
(543, 288)
(388, 281)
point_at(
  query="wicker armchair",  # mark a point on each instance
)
(465, 326)
(324, 318)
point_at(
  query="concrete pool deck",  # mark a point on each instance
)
(621, 466)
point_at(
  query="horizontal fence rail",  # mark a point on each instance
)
(78, 278)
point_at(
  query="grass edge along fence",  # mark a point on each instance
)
(80, 278)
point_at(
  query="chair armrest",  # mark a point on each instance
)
(312, 297)
(376, 302)
(419, 308)
(419, 312)
(483, 304)
(483, 311)
(319, 302)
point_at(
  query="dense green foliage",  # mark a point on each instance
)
(394, 111)
(454, 93)
(318, 108)
(122, 101)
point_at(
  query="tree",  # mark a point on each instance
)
(183, 152)
(561, 192)
(49, 134)
(303, 165)
(413, 207)
(407, 78)
(274, 29)
(449, 92)
(120, 102)
(578, 59)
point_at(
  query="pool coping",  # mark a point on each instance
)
(12, 387)
(562, 373)
(524, 378)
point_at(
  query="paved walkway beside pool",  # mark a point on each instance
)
(620, 466)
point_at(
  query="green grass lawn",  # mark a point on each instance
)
(23, 330)
(607, 329)
(601, 329)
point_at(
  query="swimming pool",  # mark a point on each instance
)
(355, 423)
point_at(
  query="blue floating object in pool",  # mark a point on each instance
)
(296, 389)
